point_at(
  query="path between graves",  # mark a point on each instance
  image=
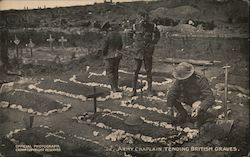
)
(63, 121)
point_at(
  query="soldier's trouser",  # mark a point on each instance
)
(112, 66)
(148, 67)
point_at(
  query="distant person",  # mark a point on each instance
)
(4, 46)
(146, 35)
(112, 52)
(192, 89)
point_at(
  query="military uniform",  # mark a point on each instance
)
(197, 89)
(112, 55)
(146, 35)
(4, 47)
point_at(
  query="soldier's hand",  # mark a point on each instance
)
(169, 110)
(196, 108)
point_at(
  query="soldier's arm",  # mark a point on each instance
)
(173, 94)
(120, 42)
(157, 34)
(207, 97)
(105, 46)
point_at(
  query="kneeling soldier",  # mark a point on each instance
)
(192, 89)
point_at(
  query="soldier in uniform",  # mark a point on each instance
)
(4, 46)
(192, 89)
(146, 35)
(112, 55)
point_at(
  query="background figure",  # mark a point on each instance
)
(192, 89)
(146, 35)
(4, 46)
(112, 54)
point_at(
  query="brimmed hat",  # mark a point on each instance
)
(133, 120)
(183, 71)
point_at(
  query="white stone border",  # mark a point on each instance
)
(118, 134)
(124, 88)
(52, 91)
(192, 132)
(128, 104)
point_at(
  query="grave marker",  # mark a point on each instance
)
(50, 40)
(94, 96)
(17, 42)
(62, 40)
(31, 45)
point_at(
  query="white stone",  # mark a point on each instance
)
(39, 113)
(64, 109)
(95, 133)
(30, 110)
(4, 104)
(13, 106)
(19, 107)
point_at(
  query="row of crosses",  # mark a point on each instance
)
(30, 45)
(62, 40)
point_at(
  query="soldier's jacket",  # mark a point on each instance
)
(112, 45)
(4, 36)
(146, 35)
(4, 43)
(197, 89)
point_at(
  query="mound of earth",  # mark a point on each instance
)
(70, 88)
(65, 144)
(178, 13)
(3, 117)
(24, 100)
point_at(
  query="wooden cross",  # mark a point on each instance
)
(31, 119)
(17, 42)
(31, 45)
(94, 96)
(62, 40)
(50, 40)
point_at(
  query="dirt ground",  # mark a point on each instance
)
(14, 119)
(54, 85)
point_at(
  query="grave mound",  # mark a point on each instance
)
(31, 102)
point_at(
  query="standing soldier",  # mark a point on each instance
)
(4, 45)
(112, 55)
(146, 35)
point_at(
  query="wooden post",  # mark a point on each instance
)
(31, 121)
(141, 89)
(226, 89)
(94, 96)
(31, 45)
(94, 99)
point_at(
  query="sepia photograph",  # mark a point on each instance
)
(124, 78)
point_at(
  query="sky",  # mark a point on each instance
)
(31, 4)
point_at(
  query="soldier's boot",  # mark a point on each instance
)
(149, 90)
(134, 85)
(116, 88)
